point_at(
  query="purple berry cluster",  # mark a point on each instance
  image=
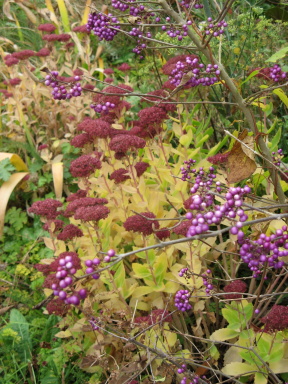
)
(101, 25)
(94, 323)
(181, 300)
(117, 4)
(183, 272)
(174, 31)
(277, 157)
(276, 73)
(195, 380)
(187, 4)
(64, 275)
(91, 265)
(207, 282)
(102, 108)
(215, 29)
(60, 91)
(266, 250)
(195, 72)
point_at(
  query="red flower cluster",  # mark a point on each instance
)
(236, 286)
(182, 228)
(161, 93)
(124, 143)
(79, 141)
(82, 202)
(124, 67)
(84, 166)
(6, 93)
(141, 167)
(77, 195)
(108, 71)
(80, 29)
(64, 37)
(276, 319)
(47, 27)
(220, 158)
(43, 52)
(46, 208)
(156, 316)
(163, 233)
(138, 223)
(14, 81)
(97, 128)
(92, 213)
(57, 307)
(57, 225)
(23, 55)
(119, 175)
(70, 232)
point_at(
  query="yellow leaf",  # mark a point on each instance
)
(57, 172)
(14, 160)
(63, 334)
(142, 291)
(5, 192)
(86, 12)
(236, 368)
(282, 96)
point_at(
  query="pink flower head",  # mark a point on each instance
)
(97, 128)
(79, 141)
(71, 44)
(119, 175)
(70, 232)
(80, 29)
(109, 80)
(57, 225)
(23, 55)
(43, 52)
(63, 37)
(182, 228)
(141, 167)
(124, 143)
(137, 223)
(11, 61)
(6, 93)
(120, 89)
(276, 319)
(47, 27)
(57, 307)
(90, 87)
(77, 195)
(163, 233)
(152, 116)
(220, 158)
(235, 286)
(84, 166)
(124, 67)
(83, 202)
(92, 213)
(46, 208)
(78, 72)
(14, 81)
(108, 71)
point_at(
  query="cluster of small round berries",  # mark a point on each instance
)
(64, 274)
(121, 6)
(102, 108)
(187, 4)
(215, 29)
(195, 72)
(277, 157)
(207, 281)
(266, 250)
(111, 253)
(181, 300)
(60, 91)
(91, 265)
(277, 74)
(195, 380)
(101, 25)
(183, 272)
(173, 31)
(93, 322)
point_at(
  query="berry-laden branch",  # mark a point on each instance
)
(236, 95)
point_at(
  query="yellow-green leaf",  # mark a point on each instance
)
(235, 369)
(224, 334)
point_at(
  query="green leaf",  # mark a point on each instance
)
(260, 378)
(252, 74)
(224, 334)
(6, 169)
(141, 270)
(282, 96)
(16, 218)
(275, 140)
(278, 55)
(231, 315)
(160, 268)
(235, 369)
(19, 324)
